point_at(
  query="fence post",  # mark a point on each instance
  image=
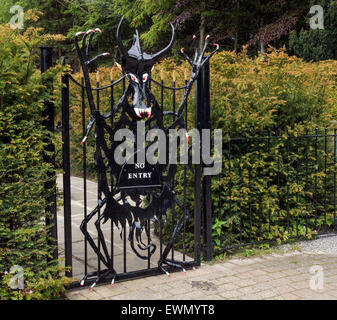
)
(49, 156)
(197, 177)
(203, 122)
(66, 172)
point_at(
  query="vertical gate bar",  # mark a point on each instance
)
(98, 187)
(306, 179)
(325, 174)
(206, 183)
(334, 180)
(229, 184)
(185, 183)
(148, 243)
(66, 173)
(124, 233)
(160, 209)
(197, 177)
(112, 102)
(241, 183)
(162, 98)
(84, 176)
(148, 220)
(250, 201)
(124, 250)
(268, 181)
(278, 180)
(297, 170)
(49, 124)
(315, 183)
(287, 177)
(173, 180)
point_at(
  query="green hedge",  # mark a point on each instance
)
(23, 174)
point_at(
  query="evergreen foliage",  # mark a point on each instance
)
(23, 173)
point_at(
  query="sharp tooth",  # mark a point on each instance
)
(137, 112)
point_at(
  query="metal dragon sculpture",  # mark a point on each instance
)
(126, 206)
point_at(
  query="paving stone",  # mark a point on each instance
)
(290, 296)
(312, 295)
(75, 296)
(275, 298)
(245, 283)
(140, 294)
(300, 285)
(106, 291)
(280, 282)
(284, 289)
(332, 293)
(227, 287)
(248, 290)
(251, 297)
(266, 294)
(227, 279)
(233, 294)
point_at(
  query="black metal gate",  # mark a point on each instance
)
(78, 255)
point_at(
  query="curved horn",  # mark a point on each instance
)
(119, 39)
(160, 53)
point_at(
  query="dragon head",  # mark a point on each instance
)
(138, 66)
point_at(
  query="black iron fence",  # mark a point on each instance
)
(275, 187)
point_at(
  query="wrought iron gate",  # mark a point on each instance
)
(74, 248)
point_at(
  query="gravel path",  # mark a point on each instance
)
(325, 244)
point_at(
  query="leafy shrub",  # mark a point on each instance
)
(23, 174)
(267, 189)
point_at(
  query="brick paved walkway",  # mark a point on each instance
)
(289, 276)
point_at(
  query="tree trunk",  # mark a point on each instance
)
(237, 27)
(236, 41)
(202, 28)
(262, 49)
(262, 44)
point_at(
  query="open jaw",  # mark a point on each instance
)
(143, 113)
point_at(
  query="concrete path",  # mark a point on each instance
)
(307, 274)
(289, 276)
